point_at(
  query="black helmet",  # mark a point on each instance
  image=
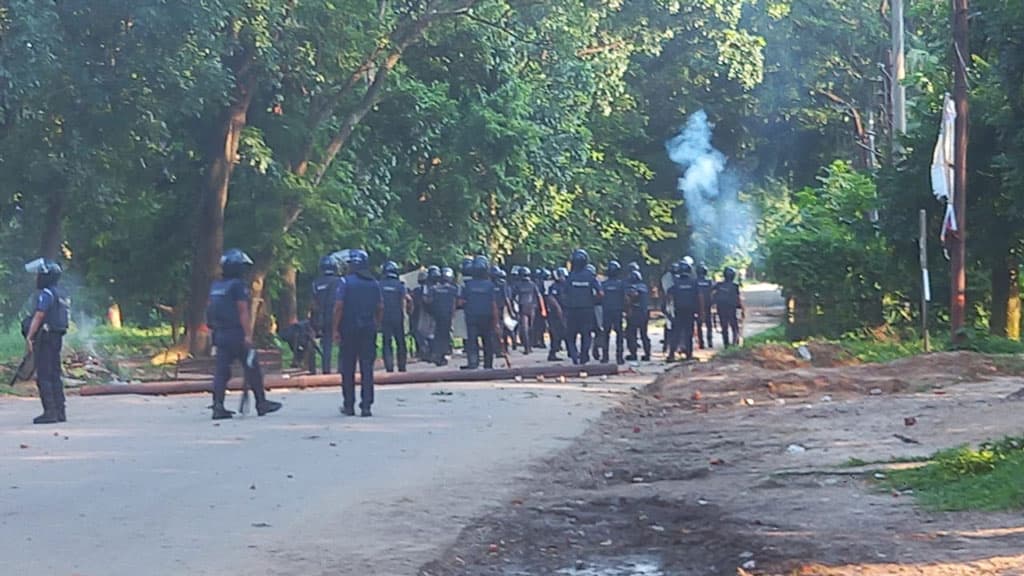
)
(328, 266)
(525, 272)
(433, 273)
(675, 268)
(390, 269)
(421, 278)
(498, 274)
(702, 270)
(48, 272)
(635, 276)
(613, 268)
(235, 263)
(729, 273)
(448, 274)
(579, 259)
(685, 269)
(561, 273)
(466, 267)
(358, 260)
(633, 266)
(542, 274)
(591, 268)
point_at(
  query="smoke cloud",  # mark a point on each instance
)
(720, 224)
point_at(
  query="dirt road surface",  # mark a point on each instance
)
(151, 486)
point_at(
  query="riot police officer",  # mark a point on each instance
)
(582, 293)
(540, 320)
(686, 301)
(502, 296)
(396, 300)
(637, 319)
(358, 311)
(704, 320)
(324, 287)
(666, 305)
(442, 299)
(613, 307)
(479, 302)
(528, 302)
(729, 301)
(229, 315)
(44, 337)
(556, 314)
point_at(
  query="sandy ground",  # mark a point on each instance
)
(151, 486)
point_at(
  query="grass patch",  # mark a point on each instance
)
(858, 463)
(988, 477)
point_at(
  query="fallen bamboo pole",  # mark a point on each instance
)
(334, 380)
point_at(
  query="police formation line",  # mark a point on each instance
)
(502, 311)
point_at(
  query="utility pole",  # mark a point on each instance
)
(958, 249)
(899, 74)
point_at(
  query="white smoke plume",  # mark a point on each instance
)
(721, 225)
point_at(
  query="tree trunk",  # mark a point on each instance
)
(1006, 309)
(220, 162)
(262, 323)
(53, 229)
(287, 309)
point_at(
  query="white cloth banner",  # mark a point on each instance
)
(942, 173)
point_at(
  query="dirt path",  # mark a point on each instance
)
(737, 468)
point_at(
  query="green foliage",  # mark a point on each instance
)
(828, 258)
(965, 478)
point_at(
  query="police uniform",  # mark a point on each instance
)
(443, 298)
(685, 299)
(556, 319)
(613, 307)
(582, 293)
(361, 299)
(728, 302)
(479, 297)
(637, 319)
(324, 288)
(53, 303)
(393, 326)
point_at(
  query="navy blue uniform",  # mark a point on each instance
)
(582, 292)
(442, 298)
(540, 324)
(637, 319)
(324, 289)
(393, 325)
(479, 297)
(613, 308)
(556, 319)
(55, 306)
(705, 325)
(229, 336)
(361, 299)
(728, 302)
(685, 299)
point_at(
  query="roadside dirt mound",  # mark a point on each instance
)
(785, 357)
(773, 372)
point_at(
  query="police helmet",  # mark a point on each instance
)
(591, 268)
(675, 268)
(48, 272)
(421, 278)
(633, 266)
(613, 268)
(433, 273)
(235, 263)
(328, 266)
(448, 274)
(702, 270)
(358, 260)
(542, 274)
(729, 273)
(498, 274)
(524, 272)
(480, 266)
(561, 273)
(579, 258)
(688, 260)
(390, 269)
(685, 269)
(466, 267)
(635, 276)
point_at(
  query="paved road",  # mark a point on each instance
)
(151, 486)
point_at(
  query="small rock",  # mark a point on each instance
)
(805, 353)
(748, 401)
(717, 461)
(260, 525)
(561, 379)
(747, 555)
(636, 429)
(584, 375)
(604, 378)
(638, 479)
(23, 446)
(540, 378)
(252, 487)
(909, 421)
(580, 565)
(696, 396)
(493, 548)
(879, 476)
(795, 449)
(606, 543)
(826, 399)
(749, 565)
(332, 444)
(657, 528)
(702, 502)
(609, 475)
(290, 476)
(780, 401)
(876, 391)
(518, 378)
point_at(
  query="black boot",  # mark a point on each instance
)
(59, 402)
(49, 415)
(219, 411)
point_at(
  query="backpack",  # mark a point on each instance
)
(58, 316)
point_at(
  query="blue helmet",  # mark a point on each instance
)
(730, 273)
(390, 269)
(447, 274)
(561, 273)
(480, 266)
(579, 259)
(358, 260)
(235, 263)
(633, 266)
(613, 268)
(685, 268)
(47, 272)
(636, 277)
(328, 266)
(433, 273)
